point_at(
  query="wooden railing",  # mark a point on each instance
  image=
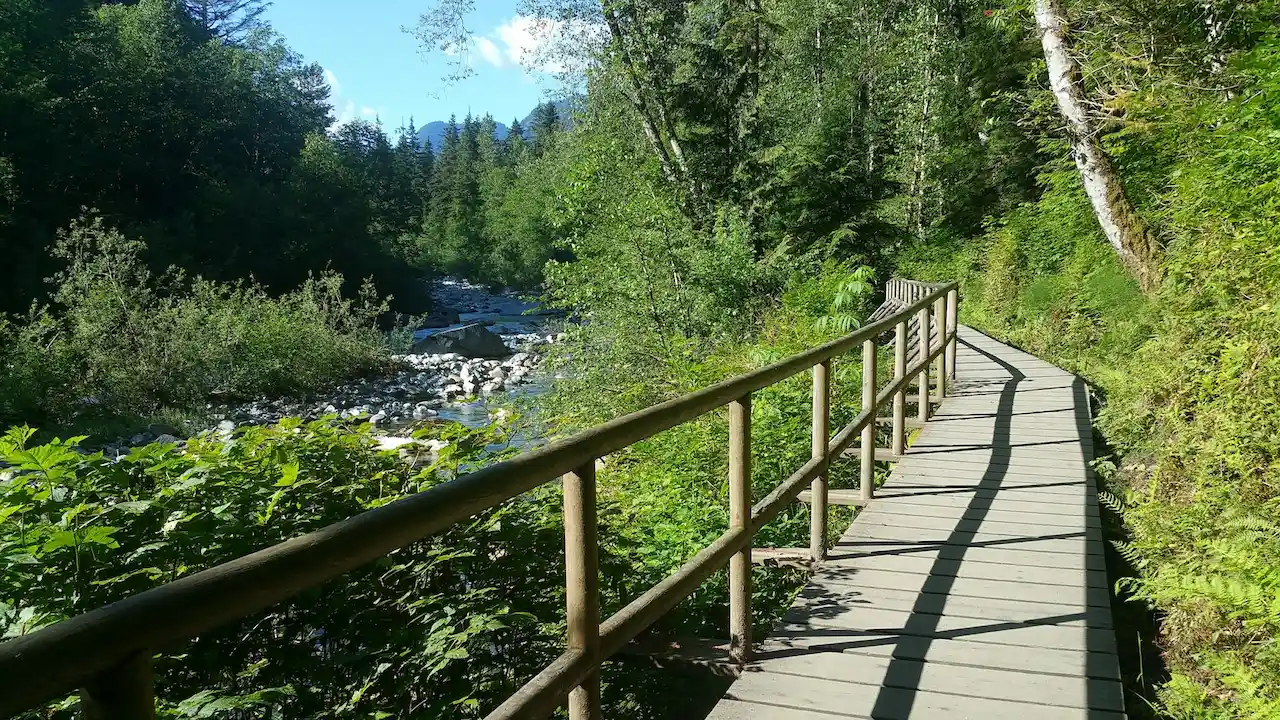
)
(106, 654)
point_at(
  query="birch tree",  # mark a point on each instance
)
(1124, 228)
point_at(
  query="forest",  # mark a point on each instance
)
(184, 223)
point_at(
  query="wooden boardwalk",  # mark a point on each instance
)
(974, 586)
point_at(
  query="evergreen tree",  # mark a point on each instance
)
(517, 146)
(546, 123)
(229, 20)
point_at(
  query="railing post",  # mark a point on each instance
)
(821, 436)
(953, 323)
(939, 363)
(125, 692)
(900, 397)
(582, 584)
(922, 337)
(740, 517)
(868, 469)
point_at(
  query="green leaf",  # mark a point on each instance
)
(289, 475)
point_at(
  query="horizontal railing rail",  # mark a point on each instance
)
(105, 654)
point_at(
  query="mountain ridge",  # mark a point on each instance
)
(434, 131)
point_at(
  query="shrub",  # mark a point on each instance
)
(122, 342)
(439, 627)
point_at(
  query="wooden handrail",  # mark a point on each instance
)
(91, 652)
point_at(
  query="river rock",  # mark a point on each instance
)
(473, 341)
(440, 318)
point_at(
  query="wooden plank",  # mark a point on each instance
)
(965, 526)
(782, 557)
(818, 598)
(909, 423)
(916, 399)
(795, 640)
(982, 515)
(926, 480)
(842, 496)
(960, 680)
(864, 536)
(881, 454)
(734, 708)
(1005, 455)
(848, 555)
(981, 500)
(953, 560)
(1048, 493)
(963, 584)
(941, 432)
(918, 471)
(1038, 466)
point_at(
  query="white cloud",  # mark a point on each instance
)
(548, 46)
(345, 115)
(332, 79)
(344, 108)
(525, 39)
(489, 51)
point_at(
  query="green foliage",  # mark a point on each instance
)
(434, 625)
(849, 306)
(124, 343)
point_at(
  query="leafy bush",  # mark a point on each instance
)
(431, 628)
(125, 343)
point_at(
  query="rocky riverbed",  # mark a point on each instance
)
(425, 384)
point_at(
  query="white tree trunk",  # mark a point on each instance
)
(1122, 225)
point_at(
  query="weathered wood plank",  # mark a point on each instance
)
(794, 640)
(990, 683)
(981, 499)
(871, 538)
(980, 515)
(775, 695)
(841, 496)
(926, 522)
(782, 557)
(881, 454)
(847, 556)
(954, 605)
(955, 559)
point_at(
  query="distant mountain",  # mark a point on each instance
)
(434, 131)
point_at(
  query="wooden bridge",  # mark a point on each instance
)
(974, 585)
(971, 585)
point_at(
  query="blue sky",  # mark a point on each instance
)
(378, 69)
